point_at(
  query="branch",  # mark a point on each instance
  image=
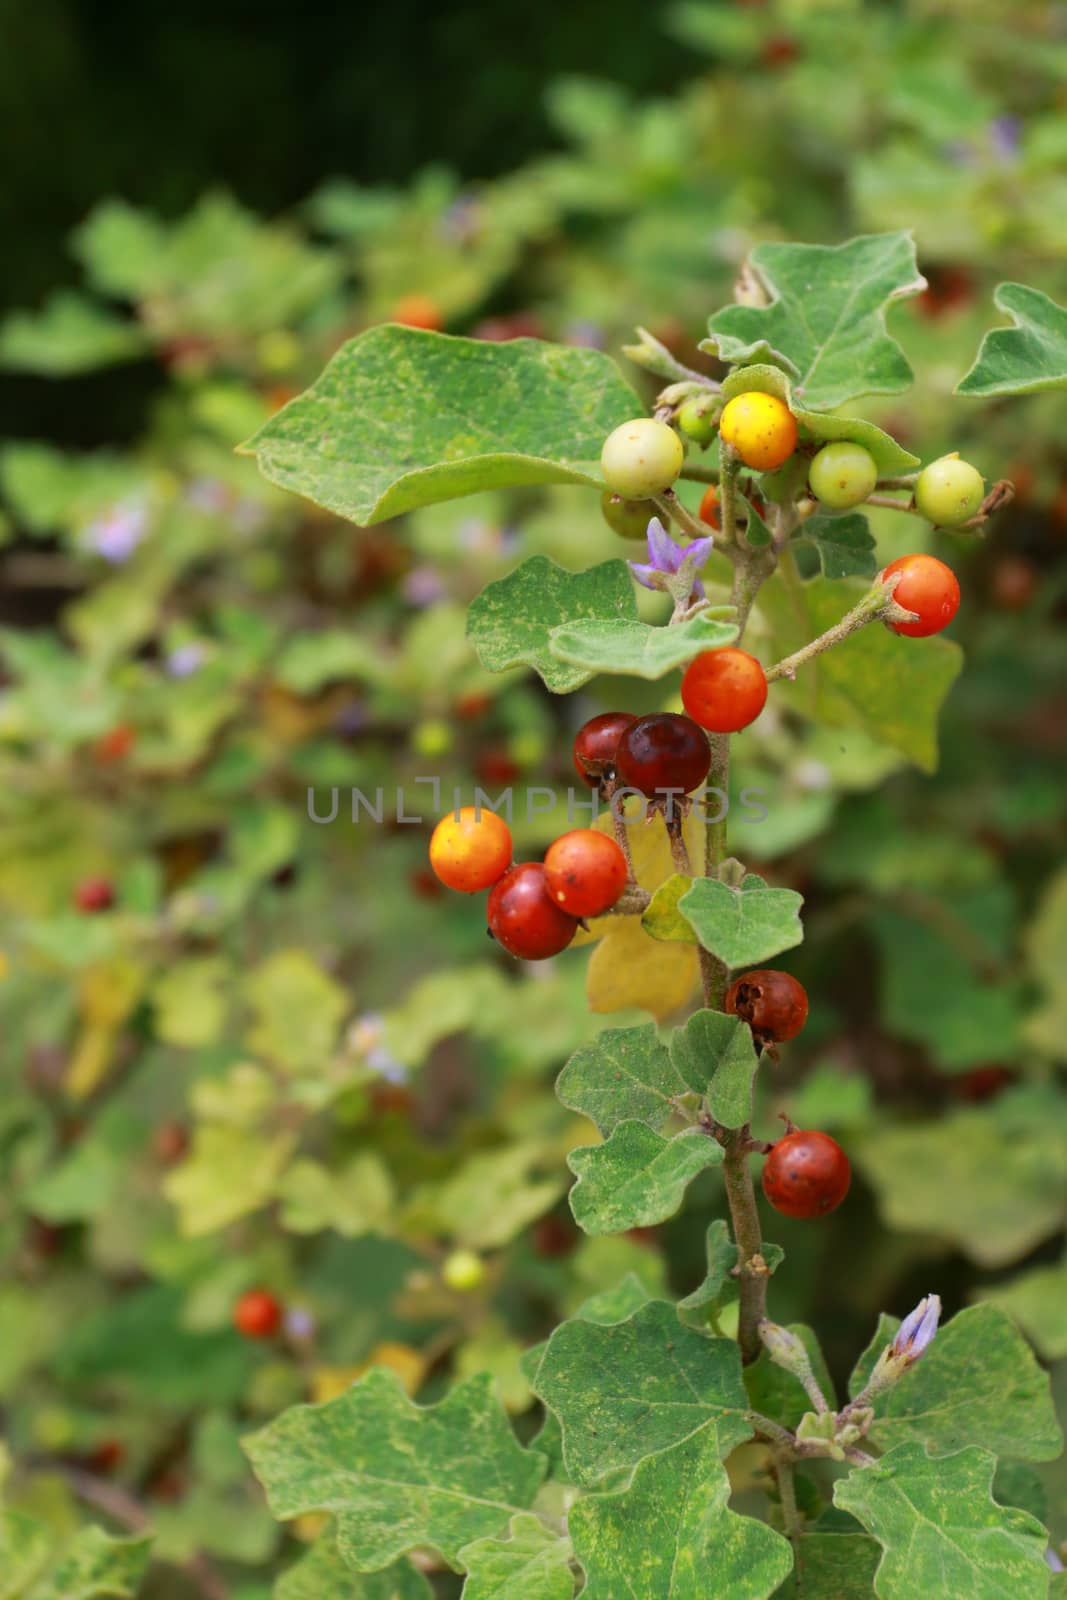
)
(877, 605)
(123, 1509)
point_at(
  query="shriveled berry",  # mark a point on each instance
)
(773, 1003)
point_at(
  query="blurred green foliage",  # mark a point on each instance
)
(284, 1057)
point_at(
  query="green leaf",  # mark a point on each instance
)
(825, 323)
(231, 1172)
(845, 545)
(494, 1195)
(1027, 358)
(512, 621)
(670, 1535)
(68, 335)
(636, 1178)
(719, 1287)
(941, 1530)
(396, 1475)
(978, 1383)
(715, 1056)
(323, 1574)
(402, 418)
(297, 1010)
(890, 687)
(532, 1563)
(626, 1074)
(1035, 1300)
(336, 655)
(90, 1566)
(746, 925)
(662, 919)
(626, 1389)
(634, 648)
(993, 1186)
(352, 1199)
(832, 1566)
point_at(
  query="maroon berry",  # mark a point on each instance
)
(806, 1174)
(663, 753)
(596, 743)
(523, 916)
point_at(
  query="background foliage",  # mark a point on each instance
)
(283, 1058)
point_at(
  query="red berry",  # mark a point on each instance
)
(553, 1236)
(94, 894)
(171, 1143)
(524, 918)
(709, 506)
(258, 1314)
(596, 743)
(724, 690)
(983, 1083)
(774, 1004)
(663, 753)
(115, 744)
(926, 587)
(418, 311)
(497, 765)
(585, 872)
(106, 1456)
(806, 1174)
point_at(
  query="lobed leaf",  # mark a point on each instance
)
(845, 544)
(512, 622)
(670, 1534)
(716, 1057)
(396, 1475)
(941, 1531)
(635, 648)
(402, 418)
(637, 1177)
(825, 323)
(532, 1563)
(324, 1575)
(626, 1074)
(626, 1389)
(746, 925)
(1027, 358)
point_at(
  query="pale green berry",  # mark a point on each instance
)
(641, 458)
(842, 474)
(949, 492)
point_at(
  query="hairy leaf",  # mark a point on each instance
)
(511, 622)
(744, 925)
(1026, 358)
(637, 1177)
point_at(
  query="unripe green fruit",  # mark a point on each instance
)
(641, 458)
(628, 518)
(842, 474)
(696, 421)
(463, 1271)
(949, 492)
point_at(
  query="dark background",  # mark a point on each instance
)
(109, 97)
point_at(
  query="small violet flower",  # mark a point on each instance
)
(116, 535)
(917, 1330)
(185, 660)
(1053, 1560)
(665, 559)
(423, 586)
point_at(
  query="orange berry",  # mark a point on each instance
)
(471, 850)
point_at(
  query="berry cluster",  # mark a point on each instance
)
(535, 908)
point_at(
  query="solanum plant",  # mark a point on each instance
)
(655, 1408)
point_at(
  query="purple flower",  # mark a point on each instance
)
(423, 586)
(665, 558)
(917, 1330)
(1053, 1560)
(1004, 133)
(299, 1324)
(586, 334)
(116, 535)
(185, 660)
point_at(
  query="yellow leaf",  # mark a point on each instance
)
(629, 969)
(329, 1382)
(109, 992)
(89, 1062)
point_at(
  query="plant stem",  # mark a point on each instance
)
(714, 975)
(891, 504)
(696, 472)
(751, 1267)
(792, 1521)
(679, 850)
(122, 1508)
(877, 603)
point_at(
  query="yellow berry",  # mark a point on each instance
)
(463, 1271)
(761, 428)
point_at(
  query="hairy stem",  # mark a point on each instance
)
(751, 1268)
(697, 472)
(792, 1522)
(877, 605)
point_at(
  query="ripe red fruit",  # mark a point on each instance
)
(115, 744)
(106, 1456)
(497, 765)
(418, 311)
(585, 872)
(948, 288)
(94, 894)
(926, 587)
(724, 690)
(553, 1236)
(596, 744)
(806, 1174)
(709, 506)
(523, 917)
(774, 1004)
(258, 1314)
(663, 753)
